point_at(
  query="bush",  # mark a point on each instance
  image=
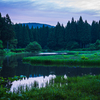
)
(2, 52)
(33, 47)
(84, 58)
(18, 50)
(95, 46)
(1, 46)
(72, 45)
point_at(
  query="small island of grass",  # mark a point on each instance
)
(74, 59)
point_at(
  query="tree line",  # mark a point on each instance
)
(76, 34)
(7, 34)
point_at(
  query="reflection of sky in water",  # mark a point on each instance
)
(49, 53)
(40, 80)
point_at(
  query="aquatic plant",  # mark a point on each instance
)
(79, 88)
(76, 54)
(84, 57)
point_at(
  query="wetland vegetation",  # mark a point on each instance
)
(76, 58)
(70, 88)
(17, 40)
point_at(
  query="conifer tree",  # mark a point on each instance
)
(67, 32)
(6, 31)
(26, 39)
(94, 31)
(73, 31)
(80, 30)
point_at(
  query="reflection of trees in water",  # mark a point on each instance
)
(1, 61)
(9, 64)
(14, 66)
(8, 69)
(28, 70)
(1, 64)
(33, 71)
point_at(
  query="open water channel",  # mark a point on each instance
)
(13, 65)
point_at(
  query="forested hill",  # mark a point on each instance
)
(35, 25)
(75, 35)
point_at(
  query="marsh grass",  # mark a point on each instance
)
(78, 88)
(76, 59)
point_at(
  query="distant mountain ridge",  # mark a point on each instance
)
(35, 25)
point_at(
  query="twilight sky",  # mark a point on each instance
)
(50, 11)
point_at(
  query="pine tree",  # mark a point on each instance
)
(59, 36)
(87, 34)
(80, 30)
(26, 39)
(94, 31)
(7, 31)
(30, 33)
(51, 42)
(67, 32)
(99, 31)
(73, 31)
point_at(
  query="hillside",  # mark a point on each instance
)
(35, 25)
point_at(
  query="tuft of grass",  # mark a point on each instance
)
(84, 57)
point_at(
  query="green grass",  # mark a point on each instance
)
(13, 53)
(80, 52)
(76, 59)
(77, 88)
(18, 50)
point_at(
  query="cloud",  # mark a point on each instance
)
(64, 5)
(50, 11)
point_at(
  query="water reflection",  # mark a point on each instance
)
(8, 69)
(30, 82)
(53, 53)
(13, 65)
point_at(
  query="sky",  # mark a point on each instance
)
(50, 11)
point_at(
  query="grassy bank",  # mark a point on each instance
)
(75, 59)
(20, 53)
(79, 51)
(72, 88)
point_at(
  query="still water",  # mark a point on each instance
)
(13, 65)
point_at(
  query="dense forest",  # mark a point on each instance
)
(76, 34)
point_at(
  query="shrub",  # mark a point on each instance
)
(2, 52)
(95, 46)
(72, 45)
(1, 46)
(33, 47)
(18, 50)
(92, 47)
(76, 54)
(84, 58)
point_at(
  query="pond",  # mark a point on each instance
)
(13, 65)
